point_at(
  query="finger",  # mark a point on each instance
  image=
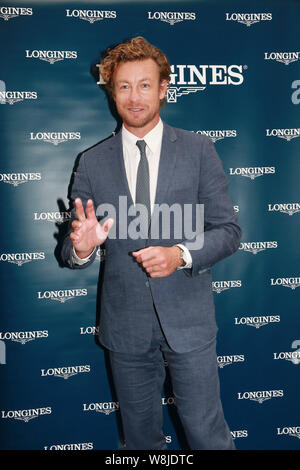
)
(74, 237)
(89, 209)
(146, 258)
(141, 251)
(157, 274)
(151, 263)
(108, 225)
(79, 209)
(151, 259)
(76, 224)
(153, 270)
(145, 254)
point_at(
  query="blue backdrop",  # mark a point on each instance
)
(235, 76)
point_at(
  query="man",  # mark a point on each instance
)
(156, 297)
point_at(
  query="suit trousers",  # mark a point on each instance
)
(139, 381)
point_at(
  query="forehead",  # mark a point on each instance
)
(136, 70)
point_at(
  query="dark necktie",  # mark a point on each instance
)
(142, 193)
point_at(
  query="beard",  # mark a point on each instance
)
(140, 120)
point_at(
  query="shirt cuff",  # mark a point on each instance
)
(80, 261)
(188, 256)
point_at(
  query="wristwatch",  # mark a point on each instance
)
(184, 259)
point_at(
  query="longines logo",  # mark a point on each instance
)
(292, 356)
(26, 415)
(289, 208)
(61, 295)
(21, 258)
(23, 336)
(287, 134)
(65, 372)
(257, 321)
(220, 286)
(107, 407)
(89, 330)
(91, 15)
(6, 13)
(72, 446)
(252, 172)
(18, 178)
(284, 57)
(291, 282)
(55, 217)
(292, 431)
(228, 360)
(261, 395)
(50, 56)
(55, 138)
(168, 401)
(218, 134)
(186, 79)
(12, 97)
(239, 433)
(256, 247)
(248, 18)
(171, 17)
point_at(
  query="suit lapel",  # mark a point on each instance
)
(118, 167)
(167, 162)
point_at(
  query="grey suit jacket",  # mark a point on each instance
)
(190, 172)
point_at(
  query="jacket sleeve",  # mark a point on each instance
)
(222, 234)
(81, 188)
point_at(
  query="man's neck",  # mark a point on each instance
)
(140, 132)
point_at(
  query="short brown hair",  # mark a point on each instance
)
(134, 49)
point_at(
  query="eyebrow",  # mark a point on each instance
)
(141, 80)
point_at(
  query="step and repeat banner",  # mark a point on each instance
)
(236, 78)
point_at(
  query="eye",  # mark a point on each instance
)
(145, 85)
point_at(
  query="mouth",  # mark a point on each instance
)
(135, 110)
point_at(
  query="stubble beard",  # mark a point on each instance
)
(138, 123)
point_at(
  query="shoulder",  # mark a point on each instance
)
(187, 137)
(101, 149)
(198, 147)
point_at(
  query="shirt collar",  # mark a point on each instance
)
(153, 138)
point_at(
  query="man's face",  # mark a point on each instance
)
(137, 92)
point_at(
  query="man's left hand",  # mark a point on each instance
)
(159, 261)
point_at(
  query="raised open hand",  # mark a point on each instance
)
(88, 233)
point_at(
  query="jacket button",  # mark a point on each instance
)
(147, 283)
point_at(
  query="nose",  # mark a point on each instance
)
(134, 96)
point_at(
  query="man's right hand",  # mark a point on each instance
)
(88, 233)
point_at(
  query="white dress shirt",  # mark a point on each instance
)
(131, 155)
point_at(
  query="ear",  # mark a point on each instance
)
(163, 86)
